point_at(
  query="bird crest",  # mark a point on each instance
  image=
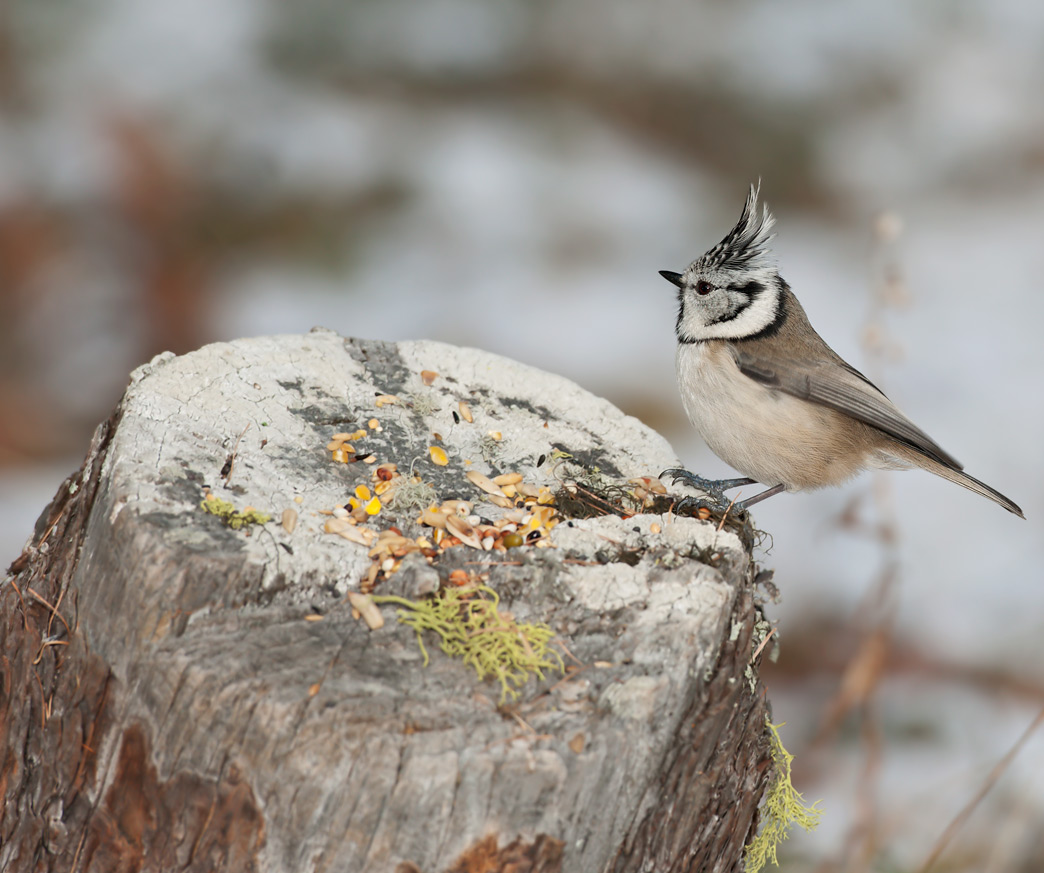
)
(745, 247)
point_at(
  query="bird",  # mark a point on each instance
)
(766, 392)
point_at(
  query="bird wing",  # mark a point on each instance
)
(839, 386)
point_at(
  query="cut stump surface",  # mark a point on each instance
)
(176, 694)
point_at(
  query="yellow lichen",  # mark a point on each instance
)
(784, 806)
(228, 514)
(472, 628)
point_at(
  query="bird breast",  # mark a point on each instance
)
(772, 437)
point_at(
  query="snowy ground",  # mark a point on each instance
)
(532, 223)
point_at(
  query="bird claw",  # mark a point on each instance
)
(715, 504)
(709, 486)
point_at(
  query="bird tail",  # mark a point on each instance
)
(917, 459)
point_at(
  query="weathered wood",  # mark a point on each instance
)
(165, 704)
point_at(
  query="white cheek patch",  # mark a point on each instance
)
(750, 314)
(753, 317)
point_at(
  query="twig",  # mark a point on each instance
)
(558, 641)
(725, 514)
(525, 724)
(567, 678)
(991, 780)
(79, 847)
(862, 676)
(18, 591)
(50, 621)
(44, 645)
(764, 643)
(53, 609)
(54, 524)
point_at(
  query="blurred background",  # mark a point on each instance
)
(511, 175)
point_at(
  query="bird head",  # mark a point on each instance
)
(733, 291)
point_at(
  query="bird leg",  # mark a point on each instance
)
(757, 498)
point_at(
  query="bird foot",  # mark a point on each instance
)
(701, 507)
(715, 500)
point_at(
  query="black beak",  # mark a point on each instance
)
(673, 278)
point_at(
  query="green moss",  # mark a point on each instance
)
(228, 514)
(472, 628)
(783, 807)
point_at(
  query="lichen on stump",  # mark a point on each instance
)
(182, 694)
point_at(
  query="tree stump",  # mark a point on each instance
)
(178, 694)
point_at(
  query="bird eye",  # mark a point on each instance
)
(704, 287)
